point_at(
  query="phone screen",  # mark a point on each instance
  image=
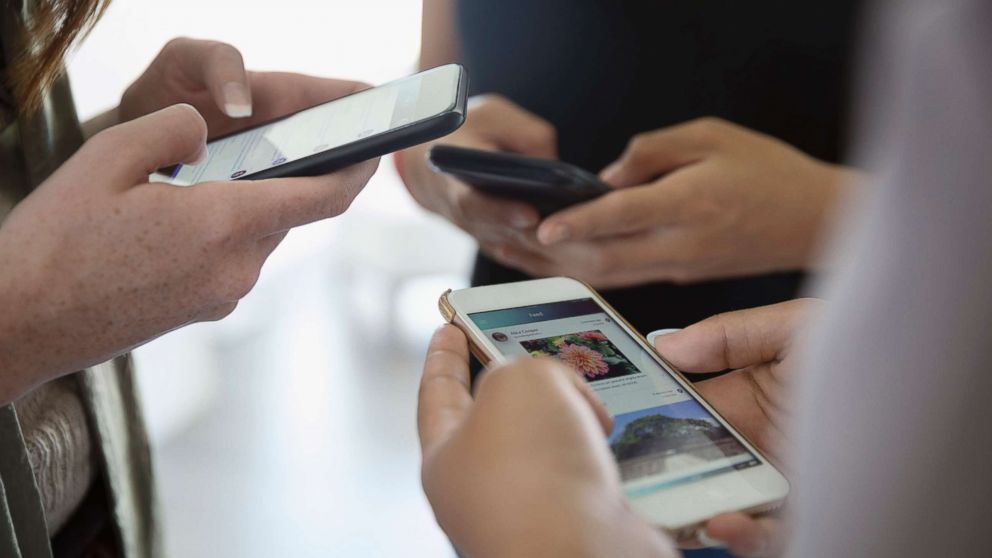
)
(662, 436)
(324, 127)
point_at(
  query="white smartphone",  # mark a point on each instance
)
(336, 134)
(680, 461)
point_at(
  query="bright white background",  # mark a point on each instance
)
(289, 428)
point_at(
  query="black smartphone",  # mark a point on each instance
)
(547, 185)
(339, 133)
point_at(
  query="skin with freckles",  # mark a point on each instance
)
(97, 260)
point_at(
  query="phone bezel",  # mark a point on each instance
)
(425, 129)
(680, 509)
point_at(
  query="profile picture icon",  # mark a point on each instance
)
(500, 337)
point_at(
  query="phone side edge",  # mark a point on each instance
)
(451, 316)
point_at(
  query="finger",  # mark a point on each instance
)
(219, 68)
(513, 128)
(621, 212)
(554, 385)
(475, 208)
(139, 147)
(745, 536)
(280, 93)
(445, 396)
(266, 207)
(735, 339)
(602, 415)
(652, 154)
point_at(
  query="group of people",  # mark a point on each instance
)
(723, 129)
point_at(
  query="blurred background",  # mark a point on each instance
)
(289, 428)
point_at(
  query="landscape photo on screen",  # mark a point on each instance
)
(589, 353)
(670, 438)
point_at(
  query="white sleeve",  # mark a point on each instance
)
(895, 431)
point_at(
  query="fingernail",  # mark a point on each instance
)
(611, 173)
(237, 100)
(522, 220)
(201, 156)
(708, 541)
(554, 233)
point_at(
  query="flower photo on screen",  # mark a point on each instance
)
(589, 353)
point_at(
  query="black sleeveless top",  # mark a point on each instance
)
(604, 70)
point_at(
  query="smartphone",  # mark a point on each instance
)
(681, 462)
(339, 133)
(548, 185)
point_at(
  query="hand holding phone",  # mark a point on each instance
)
(336, 134)
(680, 461)
(493, 123)
(521, 469)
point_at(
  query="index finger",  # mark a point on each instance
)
(621, 212)
(219, 68)
(274, 205)
(445, 395)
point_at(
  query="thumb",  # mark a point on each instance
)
(137, 148)
(650, 155)
(619, 212)
(734, 339)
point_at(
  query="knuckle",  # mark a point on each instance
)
(176, 44)
(708, 129)
(639, 149)
(232, 287)
(221, 312)
(225, 49)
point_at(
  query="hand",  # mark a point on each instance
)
(211, 76)
(524, 469)
(712, 200)
(755, 397)
(493, 123)
(97, 260)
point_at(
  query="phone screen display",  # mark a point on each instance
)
(662, 436)
(324, 127)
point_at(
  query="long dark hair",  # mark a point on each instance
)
(54, 27)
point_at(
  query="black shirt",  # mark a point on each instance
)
(604, 70)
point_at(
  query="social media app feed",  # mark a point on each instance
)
(662, 436)
(323, 127)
